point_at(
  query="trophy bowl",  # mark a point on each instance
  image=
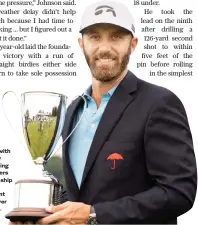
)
(43, 115)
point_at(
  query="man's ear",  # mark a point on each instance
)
(80, 42)
(134, 43)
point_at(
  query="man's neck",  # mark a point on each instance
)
(99, 88)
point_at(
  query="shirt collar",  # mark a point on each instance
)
(111, 91)
(87, 92)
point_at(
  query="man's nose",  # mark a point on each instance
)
(104, 44)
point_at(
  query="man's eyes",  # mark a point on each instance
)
(94, 36)
(112, 37)
(117, 36)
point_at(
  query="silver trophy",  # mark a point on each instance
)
(43, 115)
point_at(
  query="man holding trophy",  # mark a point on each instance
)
(131, 158)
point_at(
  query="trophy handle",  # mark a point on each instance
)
(21, 108)
(54, 152)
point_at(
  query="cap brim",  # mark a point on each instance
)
(95, 24)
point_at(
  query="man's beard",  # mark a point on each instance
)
(106, 73)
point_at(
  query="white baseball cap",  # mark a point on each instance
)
(111, 12)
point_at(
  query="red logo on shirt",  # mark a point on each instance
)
(114, 157)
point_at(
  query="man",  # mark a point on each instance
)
(131, 158)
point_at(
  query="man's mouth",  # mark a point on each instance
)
(105, 60)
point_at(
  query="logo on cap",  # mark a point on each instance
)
(133, 28)
(99, 10)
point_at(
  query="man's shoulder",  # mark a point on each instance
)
(149, 93)
(153, 91)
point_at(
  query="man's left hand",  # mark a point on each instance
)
(67, 213)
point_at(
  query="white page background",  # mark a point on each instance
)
(185, 88)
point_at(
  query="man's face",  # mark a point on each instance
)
(107, 50)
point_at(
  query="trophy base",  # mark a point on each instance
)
(26, 214)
